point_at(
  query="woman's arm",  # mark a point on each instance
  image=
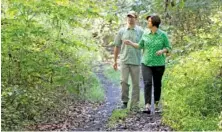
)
(160, 52)
(128, 42)
(167, 46)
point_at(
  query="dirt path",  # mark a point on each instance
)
(141, 122)
(134, 122)
(88, 116)
(100, 116)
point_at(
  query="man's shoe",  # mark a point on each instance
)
(147, 111)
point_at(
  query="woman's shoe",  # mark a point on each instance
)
(147, 109)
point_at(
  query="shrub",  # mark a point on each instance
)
(193, 91)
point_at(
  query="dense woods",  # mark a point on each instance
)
(49, 49)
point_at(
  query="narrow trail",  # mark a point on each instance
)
(99, 117)
(133, 122)
(89, 116)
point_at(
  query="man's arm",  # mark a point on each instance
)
(117, 43)
(116, 53)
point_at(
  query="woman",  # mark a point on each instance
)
(154, 44)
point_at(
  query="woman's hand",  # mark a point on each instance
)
(159, 52)
(127, 42)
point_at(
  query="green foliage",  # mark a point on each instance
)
(96, 91)
(50, 46)
(191, 25)
(47, 56)
(194, 25)
(111, 74)
(192, 91)
(117, 116)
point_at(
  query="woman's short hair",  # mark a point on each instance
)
(155, 20)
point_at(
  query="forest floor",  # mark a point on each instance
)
(92, 116)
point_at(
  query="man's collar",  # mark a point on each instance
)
(131, 28)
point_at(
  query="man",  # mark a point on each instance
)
(129, 59)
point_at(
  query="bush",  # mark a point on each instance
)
(193, 91)
(47, 60)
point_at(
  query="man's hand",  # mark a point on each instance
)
(115, 66)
